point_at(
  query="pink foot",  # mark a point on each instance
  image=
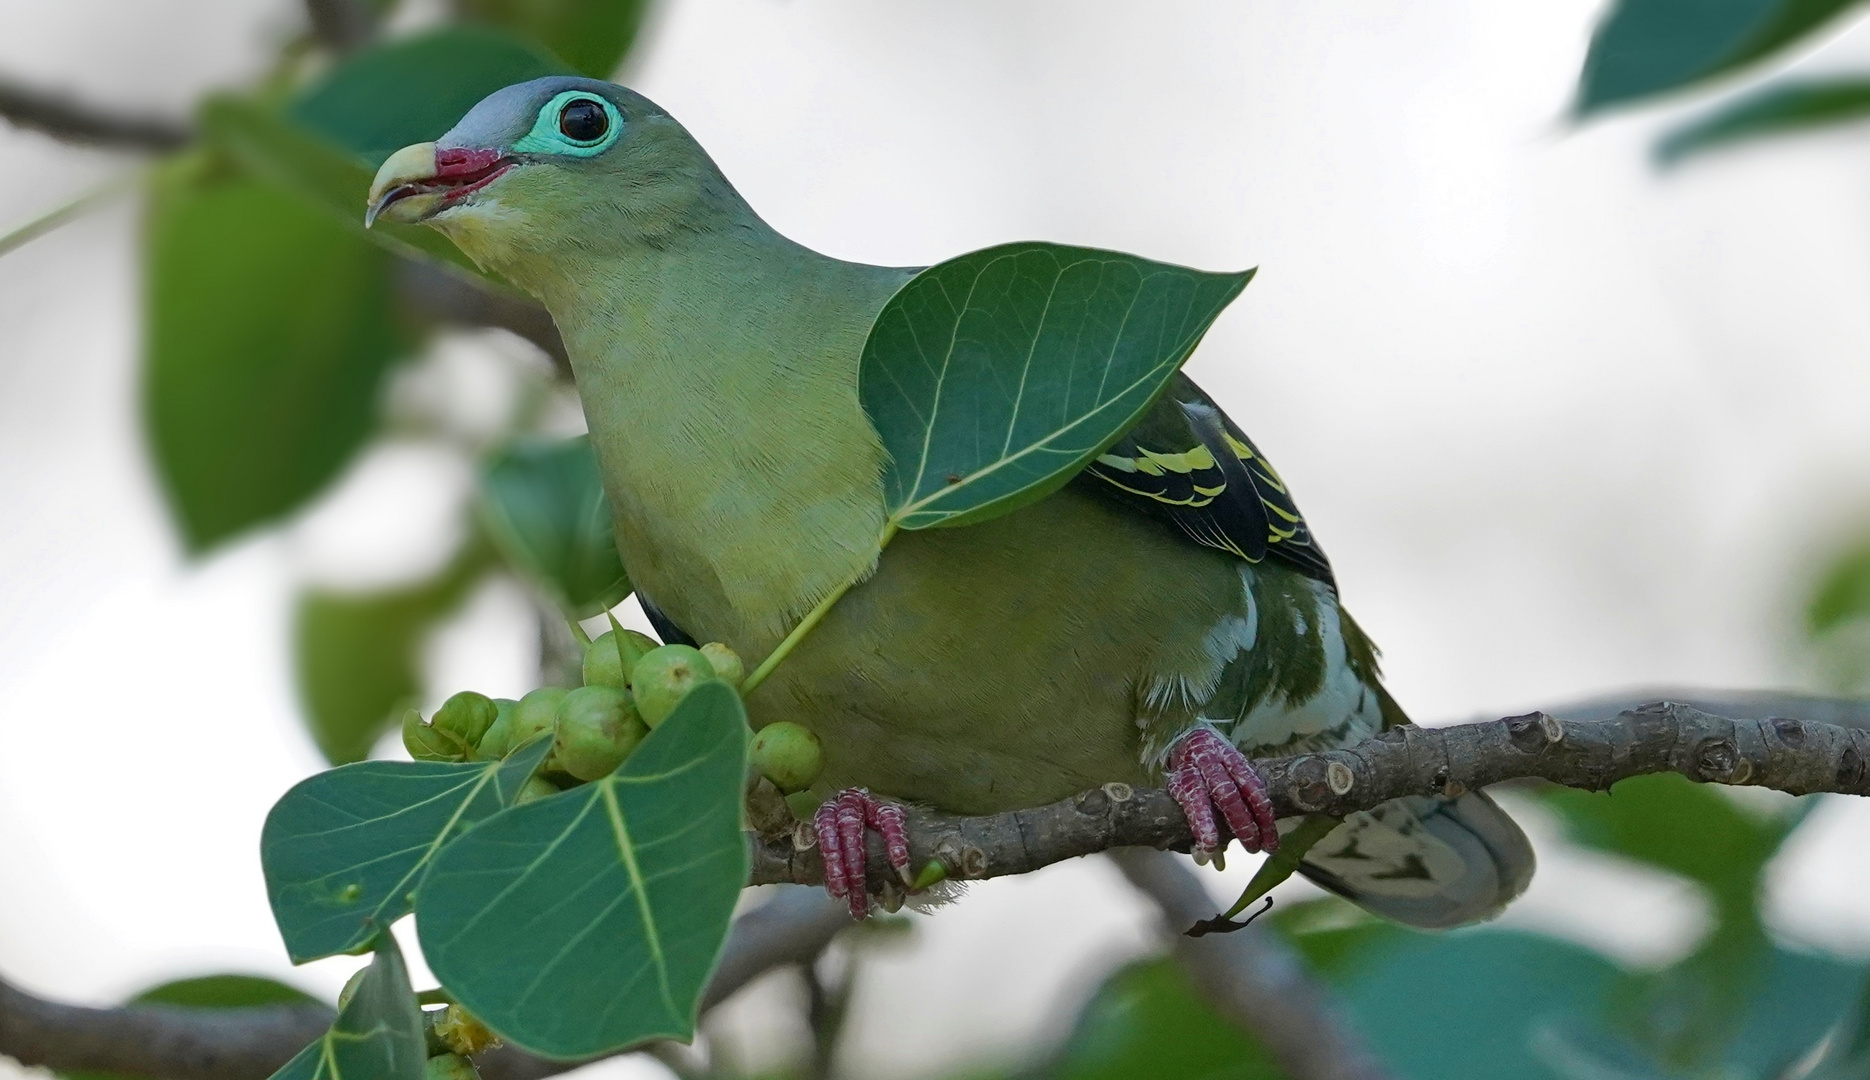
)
(840, 825)
(1206, 771)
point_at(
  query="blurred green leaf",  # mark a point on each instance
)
(1686, 1014)
(589, 920)
(412, 90)
(1843, 593)
(1847, 1053)
(1042, 355)
(1649, 47)
(1802, 996)
(344, 850)
(268, 330)
(1578, 1051)
(543, 503)
(211, 992)
(274, 148)
(1680, 826)
(1147, 1020)
(1467, 1005)
(590, 35)
(378, 1033)
(358, 654)
(1785, 109)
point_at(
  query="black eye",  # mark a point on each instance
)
(583, 121)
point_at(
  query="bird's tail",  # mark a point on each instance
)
(1426, 861)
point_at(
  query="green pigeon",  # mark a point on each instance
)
(1161, 618)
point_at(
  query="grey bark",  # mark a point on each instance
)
(1793, 755)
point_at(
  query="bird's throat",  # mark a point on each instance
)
(720, 386)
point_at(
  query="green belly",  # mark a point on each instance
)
(1001, 665)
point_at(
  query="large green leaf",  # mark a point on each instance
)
(268, 330)
(590, 920)
(1146, 1020)
(412, 90)
(344, 850)
(1649, 47)
(378, 1033)
(590, 35)
(273, 147)
(543, 503)
(995, 377)
(1785, 109)
(211, 992)
(358, 655)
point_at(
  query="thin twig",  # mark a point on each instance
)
(70, 212)
(1253, 979)
(1790, 755)
(69, 120)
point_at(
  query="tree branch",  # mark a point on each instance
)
(1799, 755)
(169, 1043)
(71, 121)
(1252, 978)
(1792, 755)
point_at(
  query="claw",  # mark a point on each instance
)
(840, 824)
(1207, 772)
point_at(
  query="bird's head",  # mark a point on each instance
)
(552, 166)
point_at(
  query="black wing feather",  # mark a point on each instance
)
(1187, 464)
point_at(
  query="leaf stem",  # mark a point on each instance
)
(812, 619)
(45, 223)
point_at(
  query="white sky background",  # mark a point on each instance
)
(1563, 424)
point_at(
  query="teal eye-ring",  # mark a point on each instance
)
(564, 118)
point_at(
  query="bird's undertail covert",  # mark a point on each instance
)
(1426, 861)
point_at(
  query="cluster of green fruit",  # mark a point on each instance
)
(631, 685)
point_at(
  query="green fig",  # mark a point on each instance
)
(499, 738)
(537, 712)
(726, 663)
(467, 716)
(597, 729)
(664, 676)
(449, 1067)
(426, 743)
(788, 754)
(608, 660)
(535, 788)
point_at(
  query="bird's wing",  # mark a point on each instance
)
(1187, 464)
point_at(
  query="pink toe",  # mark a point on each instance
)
(1227, 797)
(830, 848)
(851, 838)
(892, 823)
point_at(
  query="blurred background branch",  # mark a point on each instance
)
(171, 1043)
(69, 120)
